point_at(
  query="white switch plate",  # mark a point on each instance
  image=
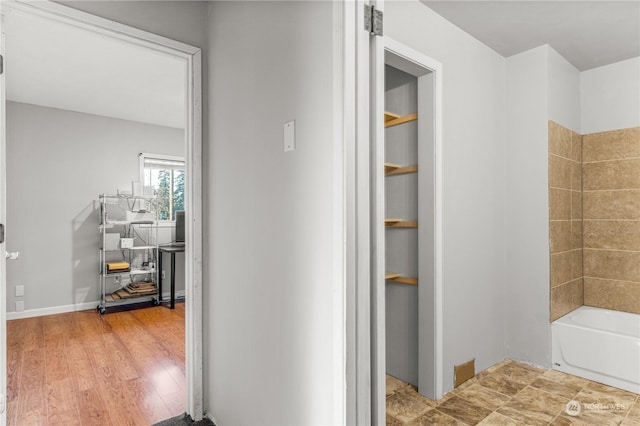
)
(19, 290)
(20, 306)
(289, 136)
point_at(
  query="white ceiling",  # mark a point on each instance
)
(61, 66)
(588, 34)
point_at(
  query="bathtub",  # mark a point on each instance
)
(599, 345)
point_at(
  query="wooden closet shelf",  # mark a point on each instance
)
(388, 116)
(398, 278)
(399, 223)
(400, 120)
(391, 169)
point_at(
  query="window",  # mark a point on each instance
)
(165, 175)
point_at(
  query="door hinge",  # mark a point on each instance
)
(373, 20)
(1, 64)
(1, 233)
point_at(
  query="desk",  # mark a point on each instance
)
(171, 249)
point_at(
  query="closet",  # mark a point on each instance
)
(401, 225)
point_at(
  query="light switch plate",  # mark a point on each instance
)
(289, 136)
(19, 290)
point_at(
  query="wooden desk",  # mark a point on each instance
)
(171, 249)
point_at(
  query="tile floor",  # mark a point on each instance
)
(511, 393)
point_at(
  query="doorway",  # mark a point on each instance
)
(406, 297)
(189, 59)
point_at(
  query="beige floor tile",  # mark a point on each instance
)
(435, 417)
(392, 421)
(406, 405)
(617, 395)
(497, 419)
(565, 390)
(484, 397)
(393, 385)
(502, 384)
(560, 377)
(464, 410)
(535, 404)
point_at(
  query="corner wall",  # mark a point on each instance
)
(474, 173)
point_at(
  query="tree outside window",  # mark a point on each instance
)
(165, 174)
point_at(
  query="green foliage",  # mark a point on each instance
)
(178, 190)
(164, 191)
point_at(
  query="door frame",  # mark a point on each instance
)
(193, 186)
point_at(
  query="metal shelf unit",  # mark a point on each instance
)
(135, 218)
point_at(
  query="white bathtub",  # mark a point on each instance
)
(599, 345)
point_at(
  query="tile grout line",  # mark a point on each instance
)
(635, 401)
(610, 160)
(606, 249)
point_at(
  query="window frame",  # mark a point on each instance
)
(141, 160)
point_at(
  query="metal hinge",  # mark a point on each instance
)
(373, 20)
(1, 64)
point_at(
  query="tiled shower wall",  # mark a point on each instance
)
(565, 220)
(611, 163)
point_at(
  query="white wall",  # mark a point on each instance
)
(270, 300)
(563, 91)
(610, 97)
(473, 182)
(527, 212)
(57, 163)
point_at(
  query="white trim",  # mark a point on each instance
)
(193, 198)
(424, 61)
(3, 218)
(30, 313)
(144, 155)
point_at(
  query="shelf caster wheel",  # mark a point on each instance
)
(156, 302)
(101, 310)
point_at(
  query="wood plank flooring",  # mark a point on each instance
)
(82, 368)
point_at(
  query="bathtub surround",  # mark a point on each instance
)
(565, 220)
(612, 219)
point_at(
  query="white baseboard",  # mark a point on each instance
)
(52, 310)
(210, 417)
(30, 313)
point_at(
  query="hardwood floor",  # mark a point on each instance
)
(82, 368)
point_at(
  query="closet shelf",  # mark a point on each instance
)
(399, 120)
(399, 223)
(398, 278)
(391, 169)
(388, 116)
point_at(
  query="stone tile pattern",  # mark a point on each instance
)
(565, 220)
(514, 394)
(611, 231)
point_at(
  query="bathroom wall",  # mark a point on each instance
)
(611, 226)
(565, 220)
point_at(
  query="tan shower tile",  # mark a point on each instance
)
(576, 205)
(611, 264)
(576, 234)
(502, 384)
(435, 417)
(576, 147)
(576, 264)
(611, 145)
(617, 174)
(611, 204)
(559, 236)
(559, 204)
(612, 234)
(406, 406)
(561, 268)
(615, 295)
(484, 397)
(559, 140)
(559, 172)
(464, 410)
(576, 176)
(565, 390)
(565, 298)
